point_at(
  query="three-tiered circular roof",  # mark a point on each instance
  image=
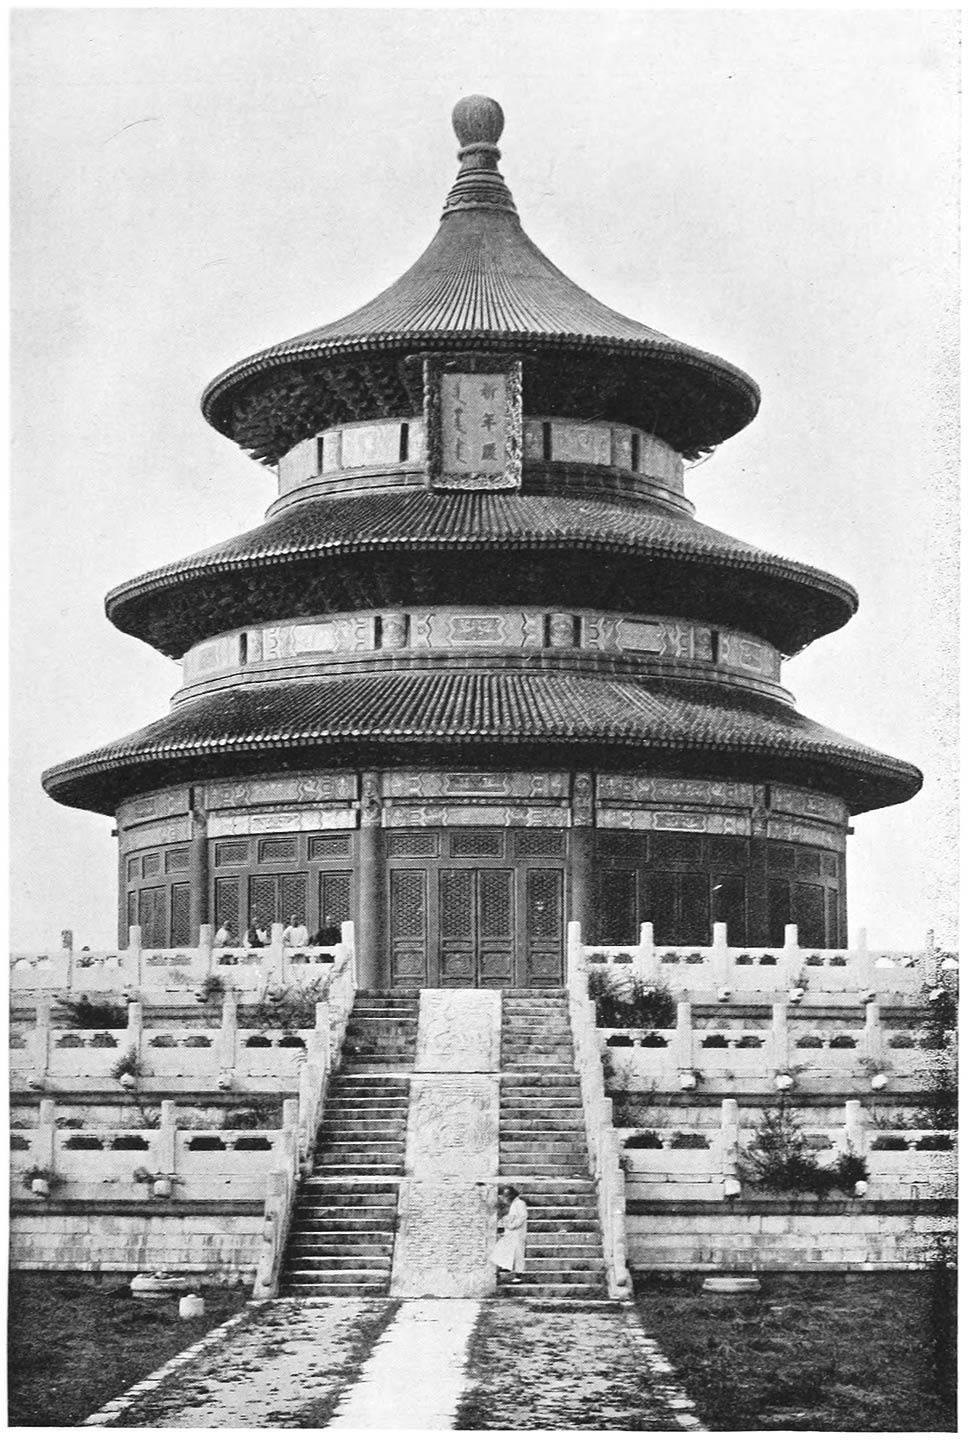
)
(482, 286)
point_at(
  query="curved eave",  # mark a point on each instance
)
(706, 726)
(459, 524)
(738, 391)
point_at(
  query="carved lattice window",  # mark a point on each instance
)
(455, 902)
(228, 904)
(676, 850)
(780, 857)
(807, 862)
(325, 847)
(544, 901)
(335, 896)
(495, 903)
(413, 843)
(729, 851)
(408, 904)
(232, 852)
(617, 909)
(152, 864)
(293, 897)
(539, 842)
(278, 847)
(620, 845)
(263, 898)
(477, 844)
(179, 918)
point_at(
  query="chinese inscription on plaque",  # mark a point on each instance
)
(475, 425)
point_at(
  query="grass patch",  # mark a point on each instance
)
(813, 1352)
(75, 1340)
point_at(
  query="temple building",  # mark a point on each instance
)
(480, 671)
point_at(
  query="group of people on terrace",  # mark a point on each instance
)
(295, 934)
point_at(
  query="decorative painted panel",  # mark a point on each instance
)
(657, 788)
(259, 822)
(301, 789)
(371, 445)
(803, 833)
(807, 802)
(172, 801)
(166, 832)
(402, 784)
(211, 658)
(710, 822)
(418, 816)
(582, 444)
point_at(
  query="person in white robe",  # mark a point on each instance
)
(509, 1255)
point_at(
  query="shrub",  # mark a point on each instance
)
(935, 1142)
(715, 1041)
(744, 959)
(780, 1159)
(291, 1007)
(901, 1041)
(644, 1140)
(689, 1140)
(654, 1041)
(809, 1042)
(814, 960)
(630, 1003)
(126, 1064)
(843, 1042)
(889, 1142)
(87, 1014)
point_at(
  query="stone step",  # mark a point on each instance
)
(380, 1086)
(369, 1146)
(365, 1134)
(303, 1275)
(344, 1232)
(308, 1289)
(310, 1247)
(533, 1291)
(342, 1218)
(360, 1167)
(374, 1067)
(527, 1130)
(372, 1264)
(578, 1224)
(376, 1190)
(561, 1252)
(538, 1080)
(523, 1174)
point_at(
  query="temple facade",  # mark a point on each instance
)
(480, 671)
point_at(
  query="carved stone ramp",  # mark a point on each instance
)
(447, 1201)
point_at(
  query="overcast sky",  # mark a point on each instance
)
(776, 186)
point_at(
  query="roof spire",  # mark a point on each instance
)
(478, 123)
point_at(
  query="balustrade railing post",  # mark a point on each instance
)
(575, 960)
(684, 1048)
(322, 1035)
(873, 1042)
(862, 959)
(134, 955)
(729, 1140)
(276, 952)
(39, 1042)
(349, 942)
(780, 1043)
(228, 1038)
(206, 948)
(720, 955)
(45, 1136)
(165, 1139)
(645, 964)
(854, 1127)
(133, 1031)
(291, 1113)
(792, 956)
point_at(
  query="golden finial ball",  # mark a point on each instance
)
(477, 120)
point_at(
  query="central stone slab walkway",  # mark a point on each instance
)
(415, 1375)
(430, 1364)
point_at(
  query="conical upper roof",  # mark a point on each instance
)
(482, 278)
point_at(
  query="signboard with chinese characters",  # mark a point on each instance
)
(475, 423)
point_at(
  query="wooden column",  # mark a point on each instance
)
(581, 907)
(373, 967)
(198, 873)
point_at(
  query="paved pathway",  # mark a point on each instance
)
(416, 1373)
(414, 1365)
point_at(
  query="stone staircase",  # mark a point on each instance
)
(342, 1233)
(543, 1149)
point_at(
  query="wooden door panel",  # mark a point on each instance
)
(408, 928)
(544, 926)
(496, 937)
